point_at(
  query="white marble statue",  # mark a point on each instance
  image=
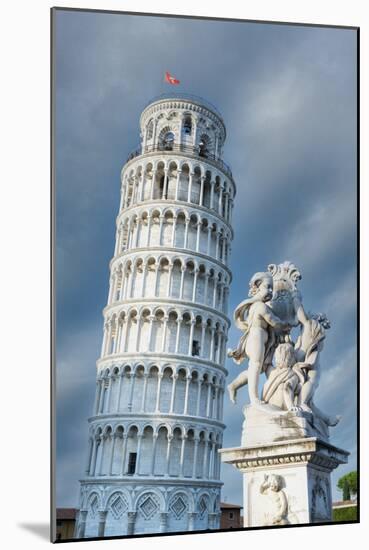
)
(292, 370)
(259, 338)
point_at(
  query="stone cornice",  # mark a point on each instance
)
(193, 105)
(166, 358)
(157, 302)
(183, 419)
(173, 155)
(147, 481)
(171, 203)
(310, 450)
(169, 250)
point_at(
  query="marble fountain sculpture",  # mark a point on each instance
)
(285, 455)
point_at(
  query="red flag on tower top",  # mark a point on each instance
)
(171, 79)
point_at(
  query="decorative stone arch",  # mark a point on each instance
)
(172, 164)
(163, 425)
(144, 213)
(203, 267)
(155, 211)
(148, 425)
(157, 499)
(179, 504)
(134, 425)
(184, 163)
(97, 430)
(173, 114)
(167, 365)
(178, 257)
(182, 213)
(120, 314)
(206, 375)
(145, 319)
(215, 503)
(163, 257)
(115, 371)
(177, 425)
(203, 494)
(119, 428)
(167, 371)
(94, 494)
(132, 217)
(189, 428)
(158, 310)
(187, 127)
(151, 261)
(167, 138)
(153, 370)
(138, 262)
(195, 373)
(190, 316)
(150, 129)
(205, 144)
(212, 435)
(127, 369)
(153, 365)
(188, 260)
(108, 429)
(132, 311)
(155, 162)
(174, 309)
(128, 266)
(138, 366)
(148, 167)
(100, 374)
(120, 502)
(198, 168)
(194, 215)
(169, 210)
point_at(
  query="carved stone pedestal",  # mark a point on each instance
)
(286, 482)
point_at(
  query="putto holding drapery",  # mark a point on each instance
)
(292, 369)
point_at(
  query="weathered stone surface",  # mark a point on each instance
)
(265, 424)
(286, 482)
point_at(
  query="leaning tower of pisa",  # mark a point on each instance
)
(152, 462)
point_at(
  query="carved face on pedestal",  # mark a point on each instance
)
(274, 483)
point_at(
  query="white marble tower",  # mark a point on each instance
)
(153, 463)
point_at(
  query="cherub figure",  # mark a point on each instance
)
(285, 381)
(259, 339)
(272, 487)
(307, 349)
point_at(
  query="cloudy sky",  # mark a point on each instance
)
(288, 98)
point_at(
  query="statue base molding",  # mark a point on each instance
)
(286, 482)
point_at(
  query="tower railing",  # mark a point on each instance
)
(186, 149)
(180, 96)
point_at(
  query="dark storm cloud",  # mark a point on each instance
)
(287, 95)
